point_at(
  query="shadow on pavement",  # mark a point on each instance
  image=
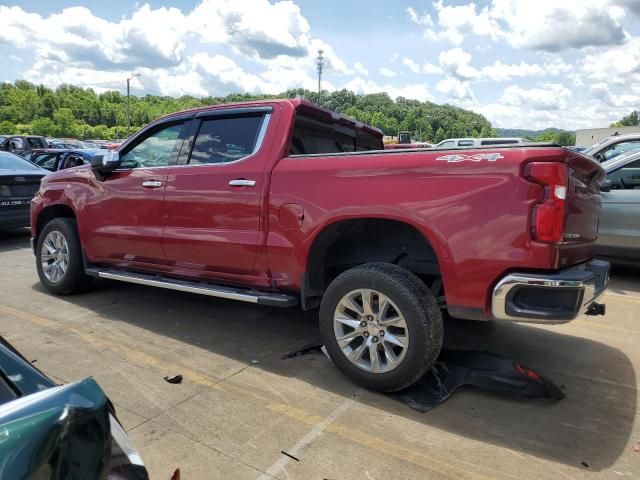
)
(14, 238)
(592, 424)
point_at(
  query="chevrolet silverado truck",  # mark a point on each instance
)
(282, 203)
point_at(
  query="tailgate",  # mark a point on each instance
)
(583, 199)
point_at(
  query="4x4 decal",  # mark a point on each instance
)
(477, 157)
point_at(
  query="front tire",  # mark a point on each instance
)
(59, 258)
(381, 326)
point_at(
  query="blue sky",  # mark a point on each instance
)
(521, 63)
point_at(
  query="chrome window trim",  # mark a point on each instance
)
(261, 136)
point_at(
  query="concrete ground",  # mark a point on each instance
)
(240, 405)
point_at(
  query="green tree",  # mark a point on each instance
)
(43, 126)
(74, 111)
(65, 123)
(7, 128)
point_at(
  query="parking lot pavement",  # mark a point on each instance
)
(240, 405)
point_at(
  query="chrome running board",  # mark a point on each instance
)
(200, 288)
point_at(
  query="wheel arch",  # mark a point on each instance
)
(348, 242)
(49, 213)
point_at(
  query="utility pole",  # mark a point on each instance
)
(129, 104)
(320, 64)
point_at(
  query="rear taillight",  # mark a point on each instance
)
(549, 214)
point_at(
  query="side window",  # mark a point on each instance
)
(154, 150)
(35, 142)
(465, 143)
(448, 144)
(227, 139)
(16, 144)
(47, 161)
(626, 178)
(620, 148)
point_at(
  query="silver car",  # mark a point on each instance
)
(612, 147)
(619, 230)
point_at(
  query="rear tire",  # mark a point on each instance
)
(59, 258)
(389, 344)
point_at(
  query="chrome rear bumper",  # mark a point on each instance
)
(550, 298)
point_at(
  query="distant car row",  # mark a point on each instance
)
(23, 145)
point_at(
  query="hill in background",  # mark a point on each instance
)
(520, 132)
(72, 111)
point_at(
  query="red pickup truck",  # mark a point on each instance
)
(283, 203)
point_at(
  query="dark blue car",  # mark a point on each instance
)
(54, 159)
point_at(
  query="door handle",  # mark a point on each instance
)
(242, 182)
(151, 184)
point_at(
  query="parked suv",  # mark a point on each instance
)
(283, 203)
(22, 145)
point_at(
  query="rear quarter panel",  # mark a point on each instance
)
(475, 214)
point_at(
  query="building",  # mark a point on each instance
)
(587, 137)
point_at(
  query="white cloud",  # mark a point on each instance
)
(546, 25)
(455, 62)
(619, 64)
(553, 26)
(602, 92)
(457, 22)
(499, 71)
(387, 72)
(76, 45)
(419, 19)
(458, 91)
(416, 91)
(360, 69)
(431, 69)
(256, 27)
(551, 96)
(411, 65)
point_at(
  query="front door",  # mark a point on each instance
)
(124, 219)
(213, 202)
(619, 229)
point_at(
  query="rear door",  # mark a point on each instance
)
(213, 201)
(619, 232)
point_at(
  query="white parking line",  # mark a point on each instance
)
(279, 464)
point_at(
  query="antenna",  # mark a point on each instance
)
(320, 64)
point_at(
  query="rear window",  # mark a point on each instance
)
(227, 139)
(465, 143)
(313, 135)
(36, 142)
(497, 141)
(9, 161)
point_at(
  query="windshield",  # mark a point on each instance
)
(13, 162)
(595, 145)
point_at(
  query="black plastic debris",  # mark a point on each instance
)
(484, 370)
(312, 347)
(174, 379)
(457, 368)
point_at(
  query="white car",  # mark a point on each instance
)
(477, 142)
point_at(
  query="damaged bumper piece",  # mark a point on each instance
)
(551, 297)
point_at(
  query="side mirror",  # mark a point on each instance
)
(103, 165)
(606, 185)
